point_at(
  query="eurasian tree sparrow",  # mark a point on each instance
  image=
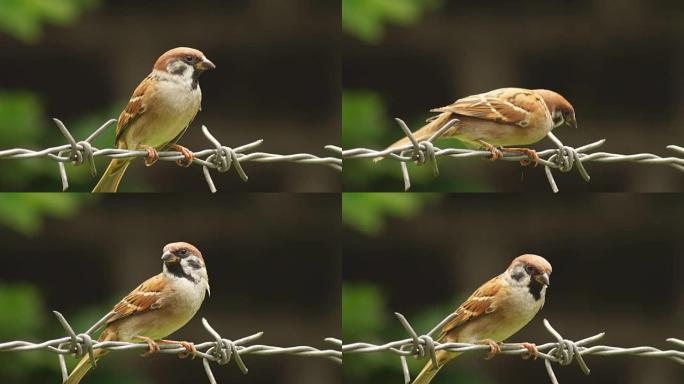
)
(158, 307)
(495, 311)
(506, 116)
(159, 112)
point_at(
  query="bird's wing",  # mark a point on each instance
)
(481, 303)
(135, 108)
(507, 105)
(146, 297)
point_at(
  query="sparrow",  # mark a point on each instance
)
(495, 311)
(505, 116)
(159, 111)
(158, 307)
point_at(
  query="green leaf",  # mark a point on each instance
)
(367, 212)
(366, 19)
(25, 212)
(23, 19)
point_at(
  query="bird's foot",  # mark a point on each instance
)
(190, 348)
(189, 156)
(494, 348)
(152, 156)
(153, 347)
(531, 153)
(533, 351)
(496, 152)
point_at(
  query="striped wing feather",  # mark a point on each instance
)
(146, 297)
(480, 303)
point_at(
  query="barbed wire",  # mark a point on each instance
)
(563, 351)
(220, 351)
(219, 158)
(562, 158)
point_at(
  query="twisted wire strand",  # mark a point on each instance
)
(562, 352)
(220, 351)
(220, 158)
(562, 158)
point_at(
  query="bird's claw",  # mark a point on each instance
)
(532, 349)
(494, 348)
(191, 350)
(189, 156)
(152, 156)
(152, 346)
(531, 153)
(496, 152)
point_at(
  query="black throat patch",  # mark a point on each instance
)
(195, 79)
(535, 289)
(176, 270)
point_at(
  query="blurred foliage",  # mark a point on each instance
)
(25, 212)
(35, 130)
(366, 212)
(24, 318)
(23, 19)
(366, 19)
(22, 112)
(365, 317)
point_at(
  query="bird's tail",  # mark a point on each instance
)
(429, 371)
(423, 133)
(83, 367)
(112, 176)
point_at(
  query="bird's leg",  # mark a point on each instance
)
(153, 347)
(494, 347)
(152, 155)
(532, 348)
(496, 152)
(189, 156)
(190, 347)
(531, 153)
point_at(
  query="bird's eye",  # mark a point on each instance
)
(529, 269)
(189, 59)
(183, 252)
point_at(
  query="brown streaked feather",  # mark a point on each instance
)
(146, 297)
(135, 108)
(479, 304)
(509, 105)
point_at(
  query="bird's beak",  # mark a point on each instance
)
(571, 121)
(543, 279)
(169, 257)
(205, 64)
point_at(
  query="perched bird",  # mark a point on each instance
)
(159, 112)
(158, 307)
(495, 311)
(506, 116)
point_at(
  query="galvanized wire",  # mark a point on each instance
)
(220, 350)
(219, 158)
(562, 158)
(562, 351)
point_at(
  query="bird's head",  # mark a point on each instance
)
(561, 110)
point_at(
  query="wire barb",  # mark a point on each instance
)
(220, 158)
(563, 158)
(563, 351)
(220, 350)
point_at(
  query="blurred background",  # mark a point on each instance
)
(614, 61)
(273, 261)
(277, 79)
(617, 268)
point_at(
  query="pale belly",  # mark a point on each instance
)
(158, 127)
